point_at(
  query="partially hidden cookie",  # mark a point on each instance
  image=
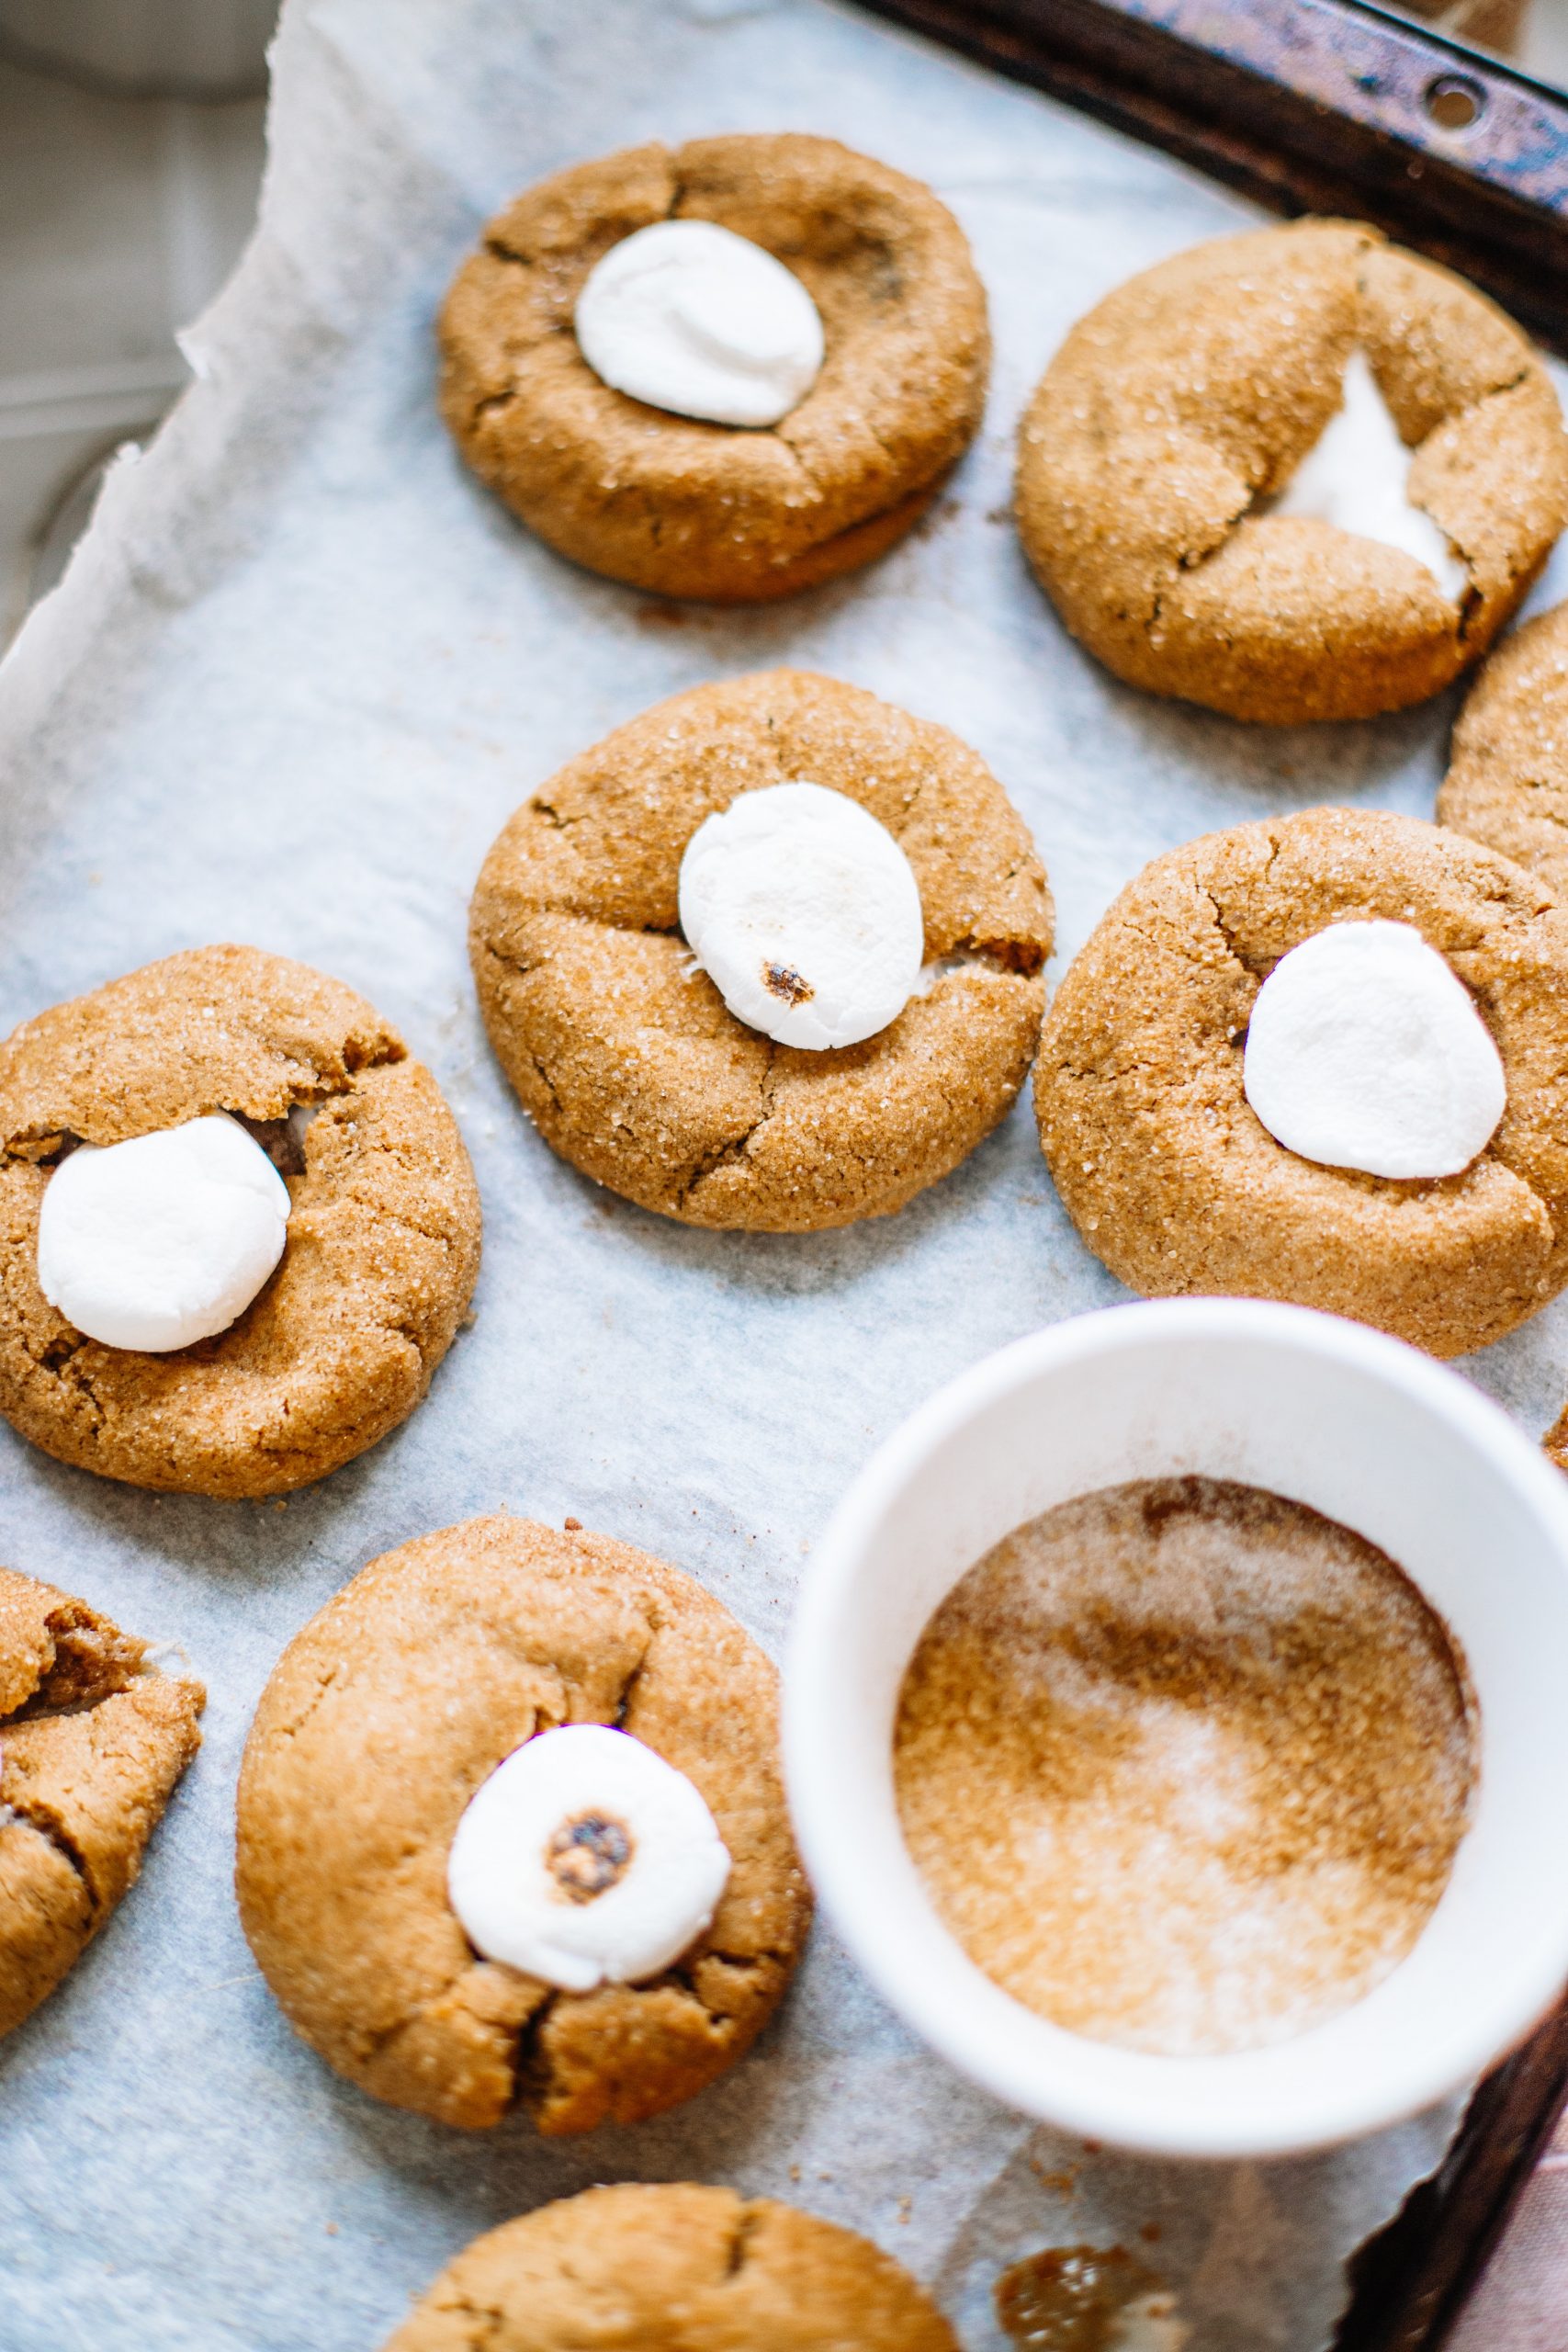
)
(1171, 1177)
(1556, 1439)
(674, 2268)
(699, 509)
(382, 1235)
(627, 1058)
(92, 1744)
(382, 1720)
(1182, 404)
(1507, 779)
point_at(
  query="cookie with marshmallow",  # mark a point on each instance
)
(728, 370)
(1316, 1058)
(512, 1832)
(769, 956)
(678, 2264)
(1296, 474)
(240, 1226)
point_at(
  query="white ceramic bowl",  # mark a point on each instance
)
(1364, 1430)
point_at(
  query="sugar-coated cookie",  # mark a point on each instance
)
(92, 1744)
(1183, 403)
(700, 509)
(1170, 1175)
(382, 1238)
(1507, 779)
(627, 1059)
(674, 2268)
(382, 1720)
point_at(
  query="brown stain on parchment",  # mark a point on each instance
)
(1070, 2298)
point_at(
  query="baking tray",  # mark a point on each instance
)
(1313, 105)
(299, 671)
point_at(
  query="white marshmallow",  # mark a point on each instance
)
(804, 913)
(162, 1240)
(1356, 476)
(688, 317)
(586, 1859)
(1365, 1051)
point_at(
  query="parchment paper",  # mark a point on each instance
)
(300, 672)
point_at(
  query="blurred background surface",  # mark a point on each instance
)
(131, 142)
(1530, 34)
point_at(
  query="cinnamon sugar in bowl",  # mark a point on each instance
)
(1185, 1765)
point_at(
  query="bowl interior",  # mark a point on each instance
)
(1365, 1431)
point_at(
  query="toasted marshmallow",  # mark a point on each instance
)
(586, 1859)
(804, 913)
(1365, 1051)
(688, 317)
(162, 1240)
(1357, 475)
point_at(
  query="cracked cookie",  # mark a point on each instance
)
(382, 1235)
(1180, 409)
(383, 1718)
(672, 2267)
(1174, 1182)
(91, 1742)
(627, 1058)
(729, 515)
(1507, 779)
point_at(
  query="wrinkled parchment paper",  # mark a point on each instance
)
(300, 670)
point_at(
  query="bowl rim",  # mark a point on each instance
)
(973, 2035)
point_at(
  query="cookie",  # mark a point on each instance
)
(674, 2268)
(1556, 1439)
(724, 514)
(92, 1744)
(1186, 400)
(383, 1238)
(382, 1719)
(1507, 779)
(628, 1061)
(1172, 1178)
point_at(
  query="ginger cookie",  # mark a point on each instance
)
(1145, 1088)
(390, 1724)
(674, 2268)
(1163, 500)
(628, 1059)
(1556, 1439)
(375, 1225)
(92, 1744)
(688, 506)
(1507, 779)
